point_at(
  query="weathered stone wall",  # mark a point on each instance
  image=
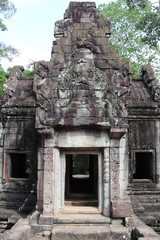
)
(19, 139)
(142, 134)
(143, 118)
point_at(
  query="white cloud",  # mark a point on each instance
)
(27, 56)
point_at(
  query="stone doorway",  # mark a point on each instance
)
(83, 180)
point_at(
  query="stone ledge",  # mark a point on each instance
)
(117, 133)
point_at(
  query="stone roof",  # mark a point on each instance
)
(139, 92)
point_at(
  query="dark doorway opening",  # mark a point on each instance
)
(19, 165)
(143, 165)
(81, 180)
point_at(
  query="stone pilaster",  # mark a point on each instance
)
(48, 188)
(106, 176)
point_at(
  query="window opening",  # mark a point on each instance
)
(19, 165)
(143, 165)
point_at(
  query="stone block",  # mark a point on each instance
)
(46, 219)
(119, 232)
(86, 232)
(121, 209)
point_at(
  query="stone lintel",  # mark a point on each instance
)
(117, 133)
(121, 209)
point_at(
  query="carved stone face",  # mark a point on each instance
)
(85, 60)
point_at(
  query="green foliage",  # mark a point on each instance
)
(135, 31)
(137, 4)
(150, 24)
(28, 72)
(7, 9)
(3, 77)
(7, 51)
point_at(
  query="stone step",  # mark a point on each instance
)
(74, 218)
(142, 186)
(90, 232)
(149, 201)
(81, 219)
(153, 213)
(151, 206)
(144, 192)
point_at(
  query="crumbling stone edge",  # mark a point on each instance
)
(20, 231)
(140, 231)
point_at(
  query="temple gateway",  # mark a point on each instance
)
(80, 139)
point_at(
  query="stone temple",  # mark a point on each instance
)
(80, 140)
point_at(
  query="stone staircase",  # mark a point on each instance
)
(79, 223)
(146, 205)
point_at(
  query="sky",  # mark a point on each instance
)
(31, 28)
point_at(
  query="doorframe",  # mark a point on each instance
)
(100, 175)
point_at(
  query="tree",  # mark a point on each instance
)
(3, 77)
(7, 9)
(135, 31)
